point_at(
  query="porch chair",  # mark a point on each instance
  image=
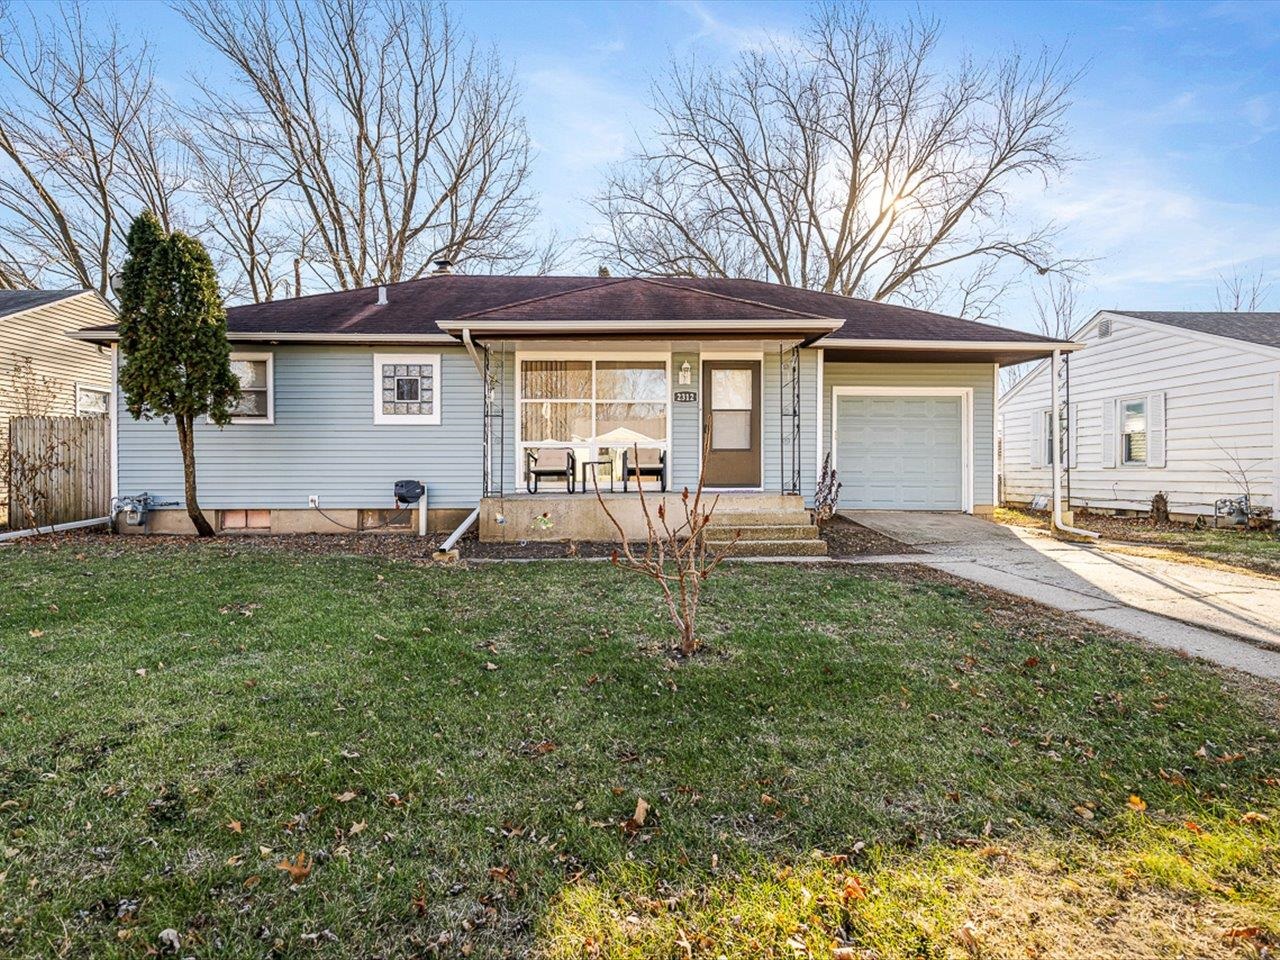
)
(647, 462)
(553, 462)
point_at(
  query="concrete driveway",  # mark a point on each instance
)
(1204, 611)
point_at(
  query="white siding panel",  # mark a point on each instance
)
(1219, 401)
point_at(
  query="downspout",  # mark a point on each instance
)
(471, 349)
(1058, 523)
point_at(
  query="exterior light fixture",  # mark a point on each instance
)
(686, 374)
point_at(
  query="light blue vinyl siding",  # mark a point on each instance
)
(686, 426)
(323, 441)
(979, 376)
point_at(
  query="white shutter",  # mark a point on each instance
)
(1109, 442)
(1071, 435)
(1155, 430)
(1037, 438)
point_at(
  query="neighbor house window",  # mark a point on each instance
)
(1133, 431)
(595, 407)
(1063, 436)
(256, 374)
(91, 400)
(406, 388)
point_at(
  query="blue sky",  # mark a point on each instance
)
(1178, 116)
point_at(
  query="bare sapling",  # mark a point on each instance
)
(675, 554)
(827, 495)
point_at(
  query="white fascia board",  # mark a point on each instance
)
(437, 338)
(1016, 346)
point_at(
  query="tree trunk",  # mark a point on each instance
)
(187, 441)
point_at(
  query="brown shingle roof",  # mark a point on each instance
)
(417, 307)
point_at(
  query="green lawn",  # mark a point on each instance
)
(868, 759)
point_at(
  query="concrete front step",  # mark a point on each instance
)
(759, 518)
(775, 548)
(799, 531)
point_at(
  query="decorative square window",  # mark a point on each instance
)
(92, 400)
(406, 388)
(256, 373)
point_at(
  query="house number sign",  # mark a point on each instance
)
(686, 396)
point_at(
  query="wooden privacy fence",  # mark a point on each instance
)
(59, 469)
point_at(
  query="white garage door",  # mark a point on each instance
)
(900, 452)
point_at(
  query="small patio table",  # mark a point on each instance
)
(593, 465)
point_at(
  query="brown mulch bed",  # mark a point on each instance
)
(848, 539)
(844, 539)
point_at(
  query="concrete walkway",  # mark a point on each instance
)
(1227, 617)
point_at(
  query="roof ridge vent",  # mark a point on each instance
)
(382, 295)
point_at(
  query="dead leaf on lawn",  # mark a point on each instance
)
(853, 888)
(235, 826)
(1241, 933)
(298, 868)
(637, 819)
(37, 632)
(503, 874)
(345, 797)
(967, 937)
(252, 881)
(1173, 777)
(490, 665)
(1254, 817)
(1194, 827)
(1084, 813)
(357, 827)
(1136, 803)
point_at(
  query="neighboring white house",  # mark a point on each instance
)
(1184, 403)
(42, 370)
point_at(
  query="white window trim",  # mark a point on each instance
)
(96, 388)
(966, 425)
(593, 357)
(407, 419)
(270, 418)
(1121, 459)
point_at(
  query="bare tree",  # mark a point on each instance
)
(848, 163)
(243, 212)
(399, 141)
(1242, 291)
(84, 143)
(1057, 307)
(1057, 316)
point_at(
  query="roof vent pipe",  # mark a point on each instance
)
(382, 295)
(443, 266)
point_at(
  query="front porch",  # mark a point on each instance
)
(755, 524)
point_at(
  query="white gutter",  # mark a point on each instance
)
(54, 528)
(1058, 522)
(1021, 346)
(110, 336)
